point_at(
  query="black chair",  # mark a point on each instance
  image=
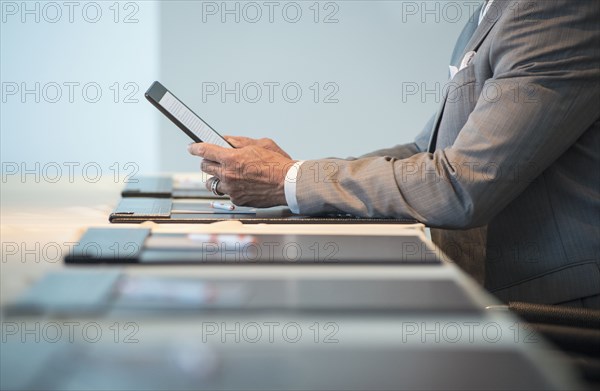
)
(575, 331)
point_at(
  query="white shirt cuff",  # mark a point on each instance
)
(289, 187)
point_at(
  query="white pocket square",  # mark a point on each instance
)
(453, 71)
(466, 61)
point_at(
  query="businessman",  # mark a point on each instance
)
(507, 172)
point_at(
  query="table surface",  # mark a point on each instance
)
(39, 221)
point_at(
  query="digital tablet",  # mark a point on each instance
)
(183, 117)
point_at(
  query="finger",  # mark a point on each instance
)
(209, 183)
(191, 147)
(240, 141)
(221, 187)
(211, 152)
(210, 167)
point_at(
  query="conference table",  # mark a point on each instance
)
(240, 325)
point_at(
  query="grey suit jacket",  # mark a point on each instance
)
(509, 167)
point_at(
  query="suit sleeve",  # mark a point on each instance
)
(550, 54)
(403, 151)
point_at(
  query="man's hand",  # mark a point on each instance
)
(267, 143)
(252, 174)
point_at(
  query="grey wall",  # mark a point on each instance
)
(370, 53)
(86, 66)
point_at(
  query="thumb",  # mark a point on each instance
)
(239, 141)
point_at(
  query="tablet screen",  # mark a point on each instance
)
(183, 117)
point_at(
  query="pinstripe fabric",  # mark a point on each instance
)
(515, 151)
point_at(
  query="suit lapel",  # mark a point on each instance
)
(497, 8)
(465, 37)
